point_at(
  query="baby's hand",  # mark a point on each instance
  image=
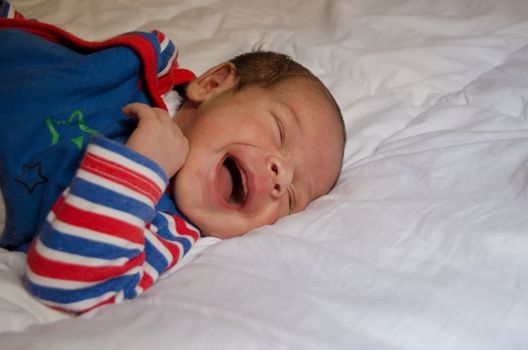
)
(157, 137)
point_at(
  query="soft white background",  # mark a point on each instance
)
(423, 244)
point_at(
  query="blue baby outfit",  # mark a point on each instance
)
(54, 94)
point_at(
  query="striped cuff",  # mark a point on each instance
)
(113, 165)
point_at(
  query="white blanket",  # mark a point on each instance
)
(423, 244)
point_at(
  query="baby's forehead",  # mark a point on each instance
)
(313, 88)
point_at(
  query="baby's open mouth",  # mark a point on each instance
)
(234, 191)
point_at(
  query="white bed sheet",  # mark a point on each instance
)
(423, 244)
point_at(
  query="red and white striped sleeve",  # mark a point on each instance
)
(103, 241)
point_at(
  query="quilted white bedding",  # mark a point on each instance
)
(423, 244)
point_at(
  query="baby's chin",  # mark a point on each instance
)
(211, 220)
(222, 231)
(208, 224)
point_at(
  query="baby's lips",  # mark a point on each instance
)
(256, 184)
(230, 183)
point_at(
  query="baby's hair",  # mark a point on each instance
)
(268, 68)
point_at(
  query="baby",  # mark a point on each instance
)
(254, 139)
(257, 138)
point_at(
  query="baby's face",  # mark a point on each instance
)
(257, 155)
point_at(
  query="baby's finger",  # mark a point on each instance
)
(138, 110)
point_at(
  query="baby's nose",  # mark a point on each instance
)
(281, 173)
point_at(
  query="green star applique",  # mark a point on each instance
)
(74, 126)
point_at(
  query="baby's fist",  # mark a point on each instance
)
(157, 137)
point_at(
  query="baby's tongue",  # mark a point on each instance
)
(226, 183)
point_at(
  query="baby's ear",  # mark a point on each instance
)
(216, 80)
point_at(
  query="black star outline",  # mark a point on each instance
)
(31, 176)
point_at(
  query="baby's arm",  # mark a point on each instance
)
(103, 241)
